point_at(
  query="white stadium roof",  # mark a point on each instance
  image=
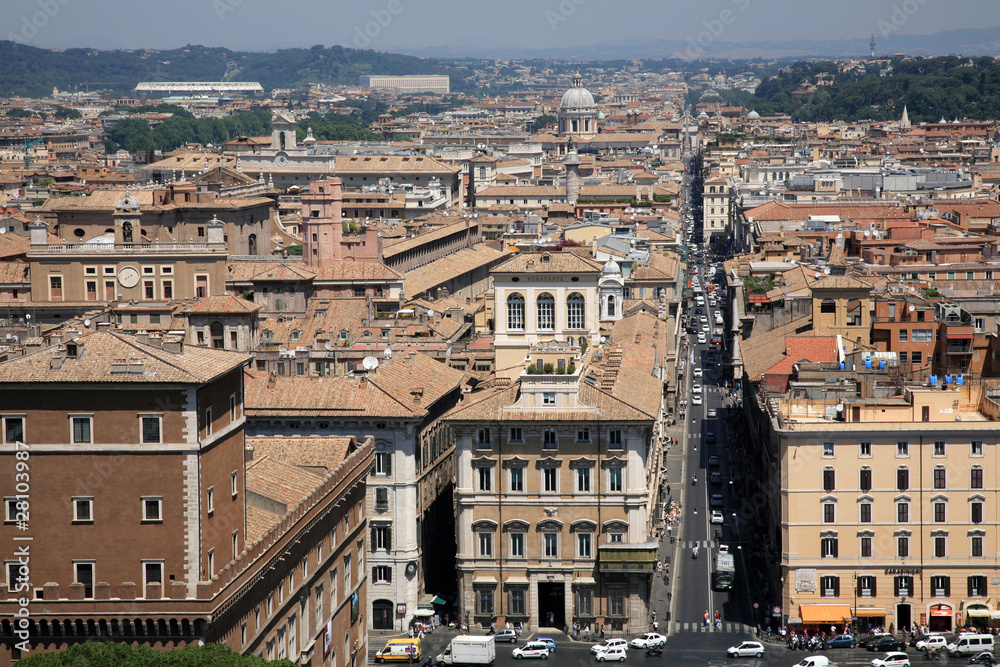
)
(199, 86)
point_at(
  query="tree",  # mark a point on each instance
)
(544, 121)
(65, 113)
(94, 654)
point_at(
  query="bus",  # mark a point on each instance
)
(725, 570)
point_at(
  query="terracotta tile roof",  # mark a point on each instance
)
(101, 352)
(449, 267)
(14, 272)
(840, 282)
(225, 304)
(355, 271)
(766, 349)
(275, 479)
(392, 163)
(318, 453)
(805, 348)
(393, 248)
(12, 245)
(557, 262)
(259, 522)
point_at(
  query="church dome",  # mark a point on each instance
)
(611, 269)
(577, 97)
(753, 115)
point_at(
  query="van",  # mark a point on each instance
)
(814, 661)
(399, 650)
(970, 644)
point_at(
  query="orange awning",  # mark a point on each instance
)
(869, 611)
(824, 613)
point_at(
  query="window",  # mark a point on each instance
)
(865, 513)
(616, 537)
(583, 480)
(13, 429)
(903, 546)
(208, 421)
(152, 573)
(939, 448)
(383, 463)
(150, 429)
(381, 537)
(828, 449)
(149, 289)
(485, 475)
(319, 604)
(615, 479)
(83, 573)
(83, 510)
(232, 407)
(904, 357)
(236, 544)
(828, 547)
(903, 336)
(903, 584)
(152, 508)
(485, 545)
(865, 480)
(977, 586)
(940, 546)
(976, 448)
(210, 499)
(91, 290)
(940, 512)
(916, 357)
(81, 429)
(516, 435)
(829, 512)
(517, 545)
(550, 545)
(585, 601)
(902, 448)
(980, 324)
(616, 602)
(167, 288)
(583, 434)
(923, 336)
(976, 511)
(829, 479)
(234, 483)
(347, 573)
(976, 546)
(549, 439)
(866, 546)
(829, 586)
(484, 601)
(515, 479)
(549, 398)
(615, 438)
(902, 479)
(483, 439)
(583, 545)
(55, 288)
(517, 606)
(866, 586)
(575, 311)
(550, 480)
(515, 312)
(976, 477)
(903, 512)
(940, 478)
(941, 586)
(381, 498)
(546, 308)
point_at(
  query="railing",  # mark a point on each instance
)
(134, 248)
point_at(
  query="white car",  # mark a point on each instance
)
(892, 659)
(618, 653)
(703, 319)
(647, 640)
(746, 650)
(607, 645)
(717, 518)
(697, 372)
(931, 641)
(696, 389)
(531, 650)
(706, 328)
(701, 338)
(696, 399)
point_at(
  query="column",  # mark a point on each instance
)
(533, 602)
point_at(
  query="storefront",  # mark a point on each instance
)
(820, 617)
(867, 618)
(977, 616)
(940, 620)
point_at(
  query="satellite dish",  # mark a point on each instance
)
(840, 407)
(369, 363)
(868, 233)
(430, 312)
(328, 346)
(86, 323)
(388, 353)
(912, 308)
(27, 316)
(3, 230)
(818, 274)
(604, 339)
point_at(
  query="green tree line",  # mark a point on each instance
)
(100, 654)
(136, 136)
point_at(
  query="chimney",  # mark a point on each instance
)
(59, 357)
(174, 344)
(216, 232)
(156, 340)
(142, 336)
(38, 232)
(248, 453)
(104, 326)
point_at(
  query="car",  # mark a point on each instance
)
(697, 372)
(715, 478)
(549, 642)
(505, 635)
(872, 639)
(718, 313)
(892, 659)
(696, 399)
(712, 413)
(930, 641)
(696, 389)
(716, 500)
(713, 460)
(703, 319)
(842, 641)
(701, 338)
(648, 640)
(607, 644)
(888, 643)
(746, 650)
(716, 516)
(531, 650)
(706, 328)
(698, 311)
(618, 653)
(710, 438)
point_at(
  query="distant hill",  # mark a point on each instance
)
(33, 72)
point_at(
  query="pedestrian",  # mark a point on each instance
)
(602, 631)
(420, 634)
(411, 632)
(718, 625)
(656, 626)
(706, 618)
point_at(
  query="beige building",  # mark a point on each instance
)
(716, 209)
(888, 505)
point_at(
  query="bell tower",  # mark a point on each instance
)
(126, 216)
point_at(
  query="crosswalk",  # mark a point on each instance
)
(690, 544)
(731, 627)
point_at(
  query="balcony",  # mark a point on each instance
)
(958, 349)
(126, 248)
(627, 558)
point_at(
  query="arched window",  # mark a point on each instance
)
(252, 244)
(711, 190)
(828, 306)
(546, 305)
(515, 312)
(218, 332)
(126, 232)
(575, 311)
(612, 308)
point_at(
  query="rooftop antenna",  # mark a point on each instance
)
(872, 44)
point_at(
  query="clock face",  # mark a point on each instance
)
(281, 160)
(128, 276)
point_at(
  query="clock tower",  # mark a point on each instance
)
(126, 217)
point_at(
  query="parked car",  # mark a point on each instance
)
(548, 641)
(842, 641)
(647, 640)
(889, 643)
(531, 650)
(746, 649)
(607, 644)
(505, 635)
(893, 659)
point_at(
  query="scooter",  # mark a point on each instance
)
(694, 480)
(654, 651)
(694, 553)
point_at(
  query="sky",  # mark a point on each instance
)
(398, 25)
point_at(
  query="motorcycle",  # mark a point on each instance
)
(654, 652)
(984, 658)
(694, 553)
(694, 480)
(933, 653)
